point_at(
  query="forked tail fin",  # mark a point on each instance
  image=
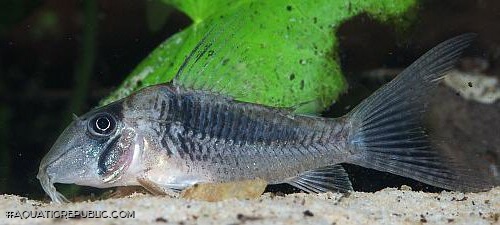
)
(386, 128)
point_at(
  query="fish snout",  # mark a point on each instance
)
(47, 184)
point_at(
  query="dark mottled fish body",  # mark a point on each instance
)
(222, 140)
(168, 137)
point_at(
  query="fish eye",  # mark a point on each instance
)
(102, 124)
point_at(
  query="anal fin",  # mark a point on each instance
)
(330, 178)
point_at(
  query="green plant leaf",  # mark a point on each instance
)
(277, 53)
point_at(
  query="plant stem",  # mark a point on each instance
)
(85, 64)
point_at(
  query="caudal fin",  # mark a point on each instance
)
(386, 128)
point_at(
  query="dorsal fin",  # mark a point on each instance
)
(193, 73)
(212, 65)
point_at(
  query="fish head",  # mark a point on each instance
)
(94, 150)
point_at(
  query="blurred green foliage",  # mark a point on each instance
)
(279, 53)
(157, 14)
(12, 11)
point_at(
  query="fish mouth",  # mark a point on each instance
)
(45, 178)
(46, 181)
(48, 186)
(58, 151)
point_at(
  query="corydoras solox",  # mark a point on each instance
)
(170, 136)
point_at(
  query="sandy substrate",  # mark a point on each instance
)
(389, 206)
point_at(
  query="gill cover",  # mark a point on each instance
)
(117, 156)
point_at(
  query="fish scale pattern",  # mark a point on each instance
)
(230, 138)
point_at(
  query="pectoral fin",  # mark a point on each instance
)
(330, 178)
(157, 189)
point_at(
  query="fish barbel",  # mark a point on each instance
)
(168, 137)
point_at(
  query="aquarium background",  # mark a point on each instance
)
(62, 57)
